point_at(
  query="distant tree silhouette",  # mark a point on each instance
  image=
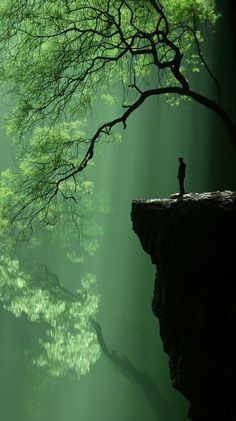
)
(149, 388)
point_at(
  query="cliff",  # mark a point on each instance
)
(191, 240)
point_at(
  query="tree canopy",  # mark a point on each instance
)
(60, 58)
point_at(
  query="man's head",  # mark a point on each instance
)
(181, 159)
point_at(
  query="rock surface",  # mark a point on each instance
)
(191, 239)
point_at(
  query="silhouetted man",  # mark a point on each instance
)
(181, 175)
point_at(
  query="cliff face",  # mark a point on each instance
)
(192, 241)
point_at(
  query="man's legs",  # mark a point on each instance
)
(181, 185)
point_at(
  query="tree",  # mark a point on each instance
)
(29, 289)
(58, 57)
(73, 339)
(69, 345)
(149, 388)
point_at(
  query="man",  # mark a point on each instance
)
(181, 175)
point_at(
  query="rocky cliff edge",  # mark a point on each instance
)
(192, 241)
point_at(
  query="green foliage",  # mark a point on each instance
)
(70, 344)
(40, 193)
(60, 55)
(180, 12)
(69, 218)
